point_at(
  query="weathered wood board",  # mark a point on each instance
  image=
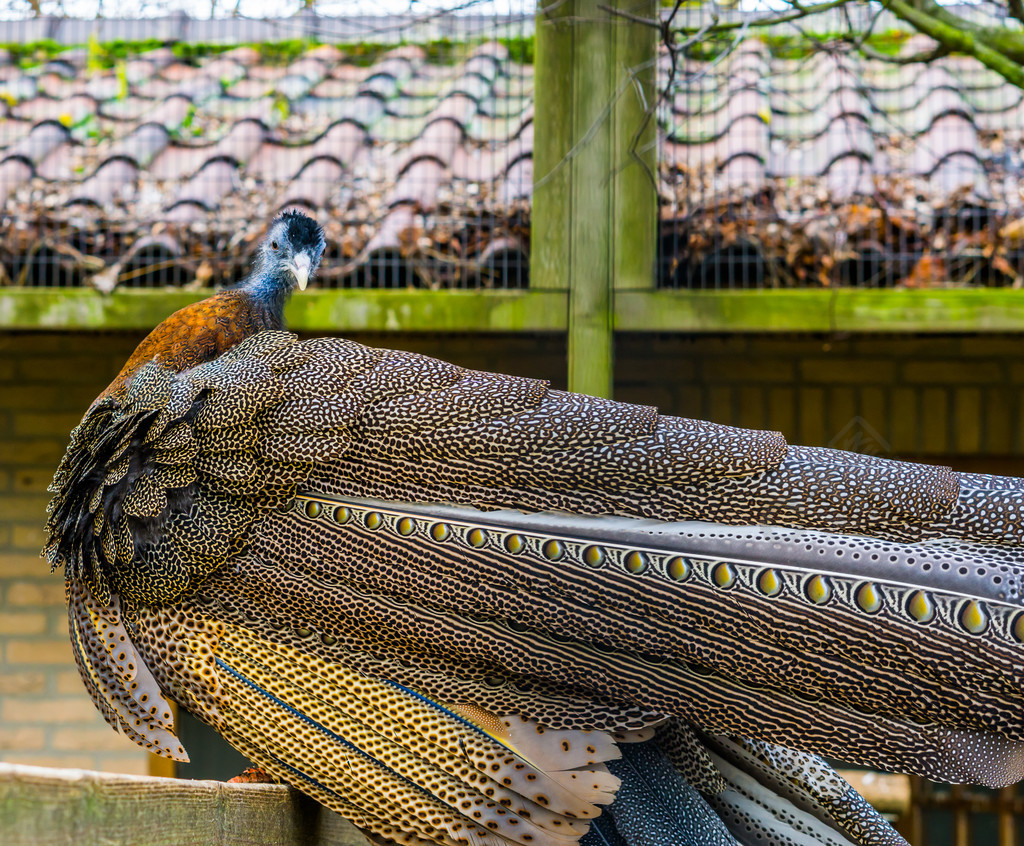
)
(51, 807)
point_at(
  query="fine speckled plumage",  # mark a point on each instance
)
(287, 258)
(456, 606)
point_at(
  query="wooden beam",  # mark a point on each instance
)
(635, 211)
(975, 310)
(310, 311)
(48, 807)
(595, 199)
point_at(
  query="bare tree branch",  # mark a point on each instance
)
(923, 57)
(799, 11)
(956, 34)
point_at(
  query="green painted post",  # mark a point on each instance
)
(595, 198)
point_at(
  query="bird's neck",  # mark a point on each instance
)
(270, 293)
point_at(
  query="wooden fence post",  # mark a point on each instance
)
(595, 194)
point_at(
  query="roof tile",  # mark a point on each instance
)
(13, 173)
(214, 181)
(314, 185)
(113, 181)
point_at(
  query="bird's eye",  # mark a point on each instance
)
(274, 245)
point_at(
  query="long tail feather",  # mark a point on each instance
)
(724, 599)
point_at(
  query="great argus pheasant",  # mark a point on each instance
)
(459, 607)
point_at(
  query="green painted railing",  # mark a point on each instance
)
(836, 310)
(311, 311)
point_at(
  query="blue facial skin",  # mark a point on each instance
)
(287, 259)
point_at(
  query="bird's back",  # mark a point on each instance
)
(196, 333)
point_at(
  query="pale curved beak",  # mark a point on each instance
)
(300, 267)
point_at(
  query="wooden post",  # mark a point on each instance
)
(595, 196)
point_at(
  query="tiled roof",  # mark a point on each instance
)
(836, 169)
(189, 154)
(849, 121)
(162, 171)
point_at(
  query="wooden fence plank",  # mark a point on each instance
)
(50, 807)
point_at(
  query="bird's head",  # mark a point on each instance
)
(291, 252)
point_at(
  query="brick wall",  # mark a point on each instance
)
(46, 718)
(928, 397)
(932, 398)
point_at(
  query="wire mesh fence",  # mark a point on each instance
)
(791, 158)
(156, 159)
(150, 151)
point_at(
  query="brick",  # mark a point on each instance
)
(34, 452)
(782, 411)
(842, 417)
(44, 342)
(36, 423)
(35, 594)
(1016, 372)
(28, 536)
(720, 345)
(22, 622)
(21, 738)
(68, 682)
(85, 369)
(138, 764)
(66, 711)
(20, 683)
(952, 372)
(659, 397)
(873, 406)
(30, 397)
(89, 739)
(751, 407)
(905, 346)
(33, 480)
(42, 651)
(966, 421)
(998, 417)
(793, 346)
(58, 621)
(671, 370)
(834, 370)
(22, 564)
(688, 402)
(23, 507)
(903, 421)
(80, 762)
(990, 346)
(811, 417)
(720, 406)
